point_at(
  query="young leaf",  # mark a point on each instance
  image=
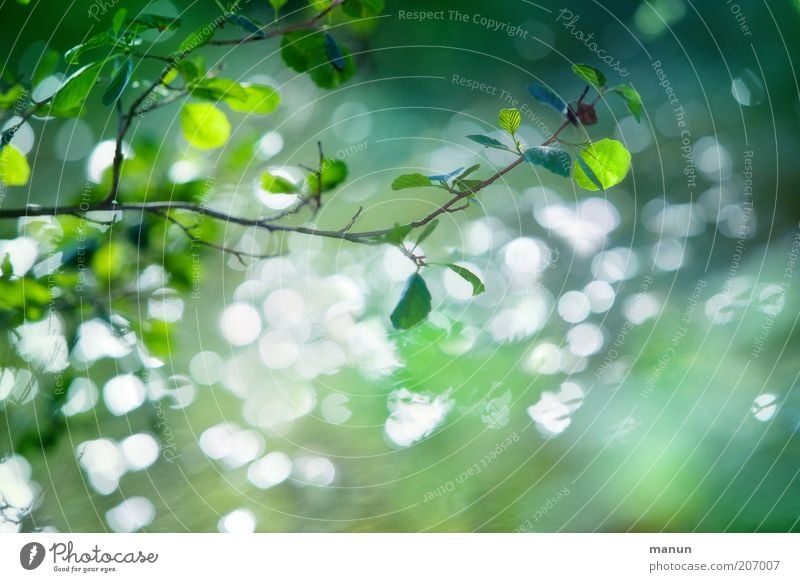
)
(216, 90)
(411, 181)
(607, 159)
(191, 69)
(510, 120)
(554, 159)
(396, 235)
(320, 5)
(73, 55)
(362, 8)
(277, 184)
(6, 269)
(153, 22)
(119, 20)
(118, 83)
(445, 178)
(469, 171)
(204, 126)
(632, 99)
(590, 75)
(277, 4)
(426, 232)
(334, 172)
(477, 285)
(259, 100)
(9, 99)
(24, 295)
(14, 169)
(488, 142)
(464, 185)
(414, 305)
(589, 173)
(546, 96)
(197, 39)
(305, 51)
(70, 99)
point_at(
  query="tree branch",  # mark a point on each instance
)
(272, 223)
(197, 240)
(134, 109)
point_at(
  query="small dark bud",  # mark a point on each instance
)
(586, 113)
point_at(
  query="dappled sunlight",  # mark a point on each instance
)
(413, 416)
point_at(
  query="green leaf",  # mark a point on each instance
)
(153, 22)
(488, 142)
(632, 99)
(197, 39)
(396, 235)
(70, 99)
(191, 68)
(73, 55)
(510, 120)
(14, 169)
(9, 99)
(24, 295)
(334, 53)
(258, 99)
(109, 261)
(590, 75)
(204, 126)
(554, 159)
(305, 51)
(158, 335)
(6, 269)
(334, 172)
(191, 191)
(119, 20)
(45, 67)
(414, 305)
(608, 159)
(411, 181)
(277, 4)
(469, 171)
(427, 231)
(217, 90)
(589, 173)
(277, 184)
(118, 83)
(477, 285)
(362, 8)
(464, 185)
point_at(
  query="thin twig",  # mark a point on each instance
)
(197, 240)
(353, 220)
(364, 237)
